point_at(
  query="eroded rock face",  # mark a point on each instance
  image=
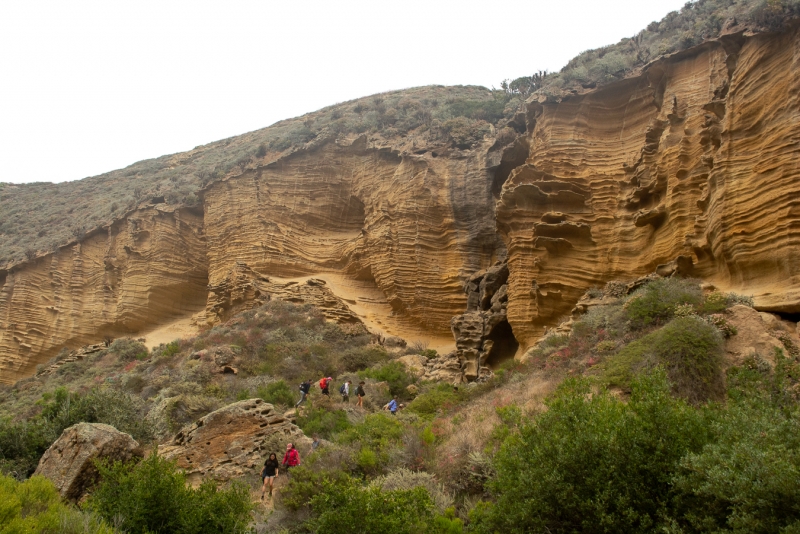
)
(688, 167)
(144, 269)
(233, 441)
(483, 336)
(685, 168)
(69, 462)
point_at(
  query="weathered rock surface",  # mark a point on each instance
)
(233, 441)
(483, 335)
(688, 166)
(755, 336)
(144, 269)
(69, 462)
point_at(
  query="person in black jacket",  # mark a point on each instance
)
(305, 387)
(269, 473)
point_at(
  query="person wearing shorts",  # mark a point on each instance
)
(269, 473)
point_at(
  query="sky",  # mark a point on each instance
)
(87, 87)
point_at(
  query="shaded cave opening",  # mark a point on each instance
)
(504, 347)
(793, 317)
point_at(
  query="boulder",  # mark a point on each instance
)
(753, 336)
(415, 364)
(233, 441)
(69, 462)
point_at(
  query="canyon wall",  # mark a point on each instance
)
(145, 269)
(691, 166)
(688, 167)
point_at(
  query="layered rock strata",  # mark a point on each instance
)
(138, 272)
(689, 166)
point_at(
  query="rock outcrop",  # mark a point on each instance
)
(69, 462)
(483, 335)
(689, 166)
(233, 441)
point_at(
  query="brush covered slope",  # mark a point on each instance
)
(641, 403)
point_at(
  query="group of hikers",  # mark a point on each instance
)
(324, 385)
(292, 457)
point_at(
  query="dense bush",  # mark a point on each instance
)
(367, 510)
(322, 422)
(152, 497)
(592, 463)
(278, 393)
(128, 349)
(35, 506)
(689, 348)
(656, 302)
(434, 400)
(393, 373)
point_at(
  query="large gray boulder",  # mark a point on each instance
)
(69, 462)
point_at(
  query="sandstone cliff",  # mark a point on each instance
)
(688, 166)
(691, 165)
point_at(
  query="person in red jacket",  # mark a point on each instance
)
(291, 458)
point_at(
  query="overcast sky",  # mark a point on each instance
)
(88, 87)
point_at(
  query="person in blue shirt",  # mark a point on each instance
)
(392, 406)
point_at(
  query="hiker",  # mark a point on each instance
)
(268, 473)
(324, 383)
(305, 387)
(291, 458)
(392, 406)
(344, 391)
(315, 443)
(360, 393)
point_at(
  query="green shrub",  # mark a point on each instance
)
(152, 496)
(592, 463)
(464, 132)
(306, 481)
(364, 510)
(429, 403)
(746, 479)
(394, 373)
(278, 393)
(715, 302)
(359, 358)
(322, 422)
(128, 350)
(429, 353)
(689, 348)
(35, 506)
(655, 303)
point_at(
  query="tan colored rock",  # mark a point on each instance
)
(684, 168)
(142, 270)
(414, 363)
(69, 462)
(233, 441)
(753, 336)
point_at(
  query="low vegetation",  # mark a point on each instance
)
(152, 496)
(631, 422)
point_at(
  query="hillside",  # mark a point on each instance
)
(581, 290)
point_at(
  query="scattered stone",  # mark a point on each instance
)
(69, 462)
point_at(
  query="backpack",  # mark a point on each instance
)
(341, 389)
(322, 384)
